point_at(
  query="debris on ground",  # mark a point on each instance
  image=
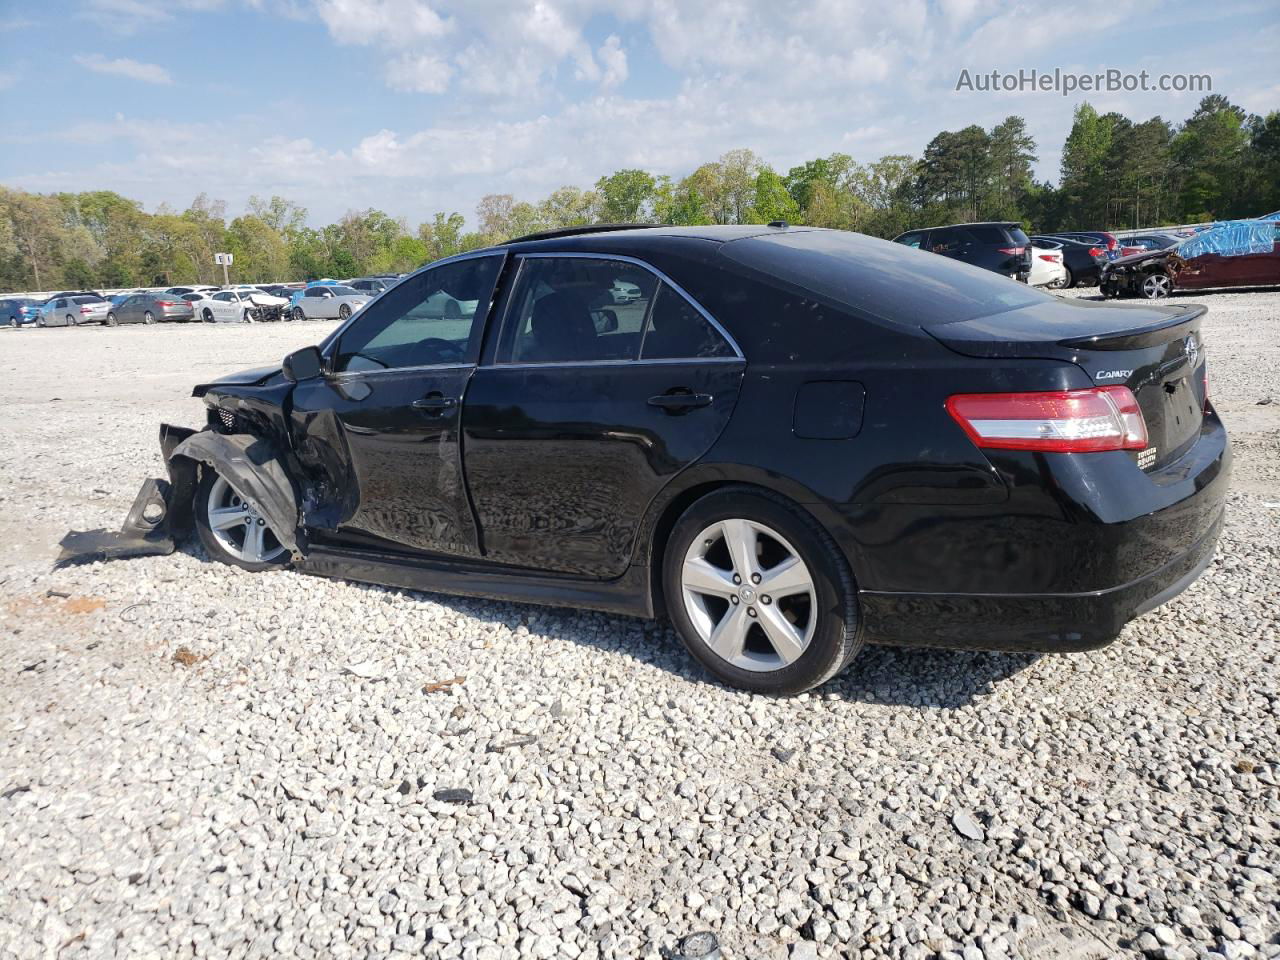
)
(442, 684)
(188, 657)
(967, 826)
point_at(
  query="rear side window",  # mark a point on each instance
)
(676, 330)
(879, 279)
(993, 236)
(915, 239)
(575, 310)
(1018, 237)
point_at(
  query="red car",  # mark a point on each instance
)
(1196, 264)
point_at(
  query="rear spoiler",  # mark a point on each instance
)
(1180, 324)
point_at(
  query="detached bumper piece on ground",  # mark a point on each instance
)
(791, 442)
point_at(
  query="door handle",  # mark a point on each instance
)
(434, 403)
(679, 402)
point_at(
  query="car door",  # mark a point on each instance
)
(379, 434)
(584, 409)
(221, 305)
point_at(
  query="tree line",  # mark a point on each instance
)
(1220, 163)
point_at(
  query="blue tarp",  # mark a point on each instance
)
(1231, 238)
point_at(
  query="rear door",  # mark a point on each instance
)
(585, 408)
(379, 435)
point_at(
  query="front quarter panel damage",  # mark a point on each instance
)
(161, 516)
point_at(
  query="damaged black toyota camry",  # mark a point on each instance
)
(789, 441)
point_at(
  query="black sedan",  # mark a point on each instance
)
(791, 442)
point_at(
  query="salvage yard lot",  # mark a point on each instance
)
(195, 761)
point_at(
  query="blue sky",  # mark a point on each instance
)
(415, 107)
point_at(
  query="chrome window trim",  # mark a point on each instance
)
(651, 362)
(332, 339)
(361, 374)
(634, 261)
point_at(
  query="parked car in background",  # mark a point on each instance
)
(197, 288)
(283, 290)
(1047, 268)
(371, 285)
(999, 246)
(19, 311)
(1147, 241)
(1101, 238)
(75, 310)
(243, 305)
(328, 302)
(1195, 263)
(1082, 261)
(149, 308)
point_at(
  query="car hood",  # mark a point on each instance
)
(267, 300)
(254, 377)
(1142, 257)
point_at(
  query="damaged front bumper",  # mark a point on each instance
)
(161, 516)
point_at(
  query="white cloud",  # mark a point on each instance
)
(418, 73)
(124, 67)
(400, 23)
(614, 59)
(7, 80)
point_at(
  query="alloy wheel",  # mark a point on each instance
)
(1156, 286)
(148, 317)
(239, 529)
(344, 311)
(749, 595)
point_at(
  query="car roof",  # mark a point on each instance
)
(649, 232)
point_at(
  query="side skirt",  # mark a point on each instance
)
(629, 594)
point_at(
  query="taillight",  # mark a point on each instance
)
(165, 303)
(86, 309)
(1065, 421)
(1097, 252)
(1049, 257)
(1010, 251)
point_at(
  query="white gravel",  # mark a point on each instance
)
(200, 762)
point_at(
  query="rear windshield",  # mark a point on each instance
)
(882, 279)
(88, 299)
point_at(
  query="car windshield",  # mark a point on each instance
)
(881, 279)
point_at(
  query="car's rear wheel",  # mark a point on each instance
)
(231, 530)
(71, 321)
(1156, 286)
(344, 311)
(113, 320)
(1068, 280)
(207, 315)
(13, 321)
(148, 317)
(759, 593)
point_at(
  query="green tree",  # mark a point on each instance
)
(626, 196)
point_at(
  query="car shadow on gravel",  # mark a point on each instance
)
(924, 677)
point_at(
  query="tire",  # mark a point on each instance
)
(816, 619)
(207, 315)
(13, 322)
(1067, 282)
(247, 318)
(71, 321)
(298, 314)
(113, 320)
(1155, 286)
(344, 311)
(148, 317)
(229, 544)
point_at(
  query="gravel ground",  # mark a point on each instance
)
(200, 762)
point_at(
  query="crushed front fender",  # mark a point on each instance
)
(161, 515)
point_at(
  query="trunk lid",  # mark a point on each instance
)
(1157, 352)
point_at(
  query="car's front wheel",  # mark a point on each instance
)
(1156, 286)
(759, 593)
(231, 530)
(298, 314)
(344, 311)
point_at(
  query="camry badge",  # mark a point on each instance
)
(1192, 348)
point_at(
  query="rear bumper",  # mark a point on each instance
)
(1051, 623)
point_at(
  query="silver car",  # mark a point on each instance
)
(74, 311)
(149, 308)
(328, 303)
